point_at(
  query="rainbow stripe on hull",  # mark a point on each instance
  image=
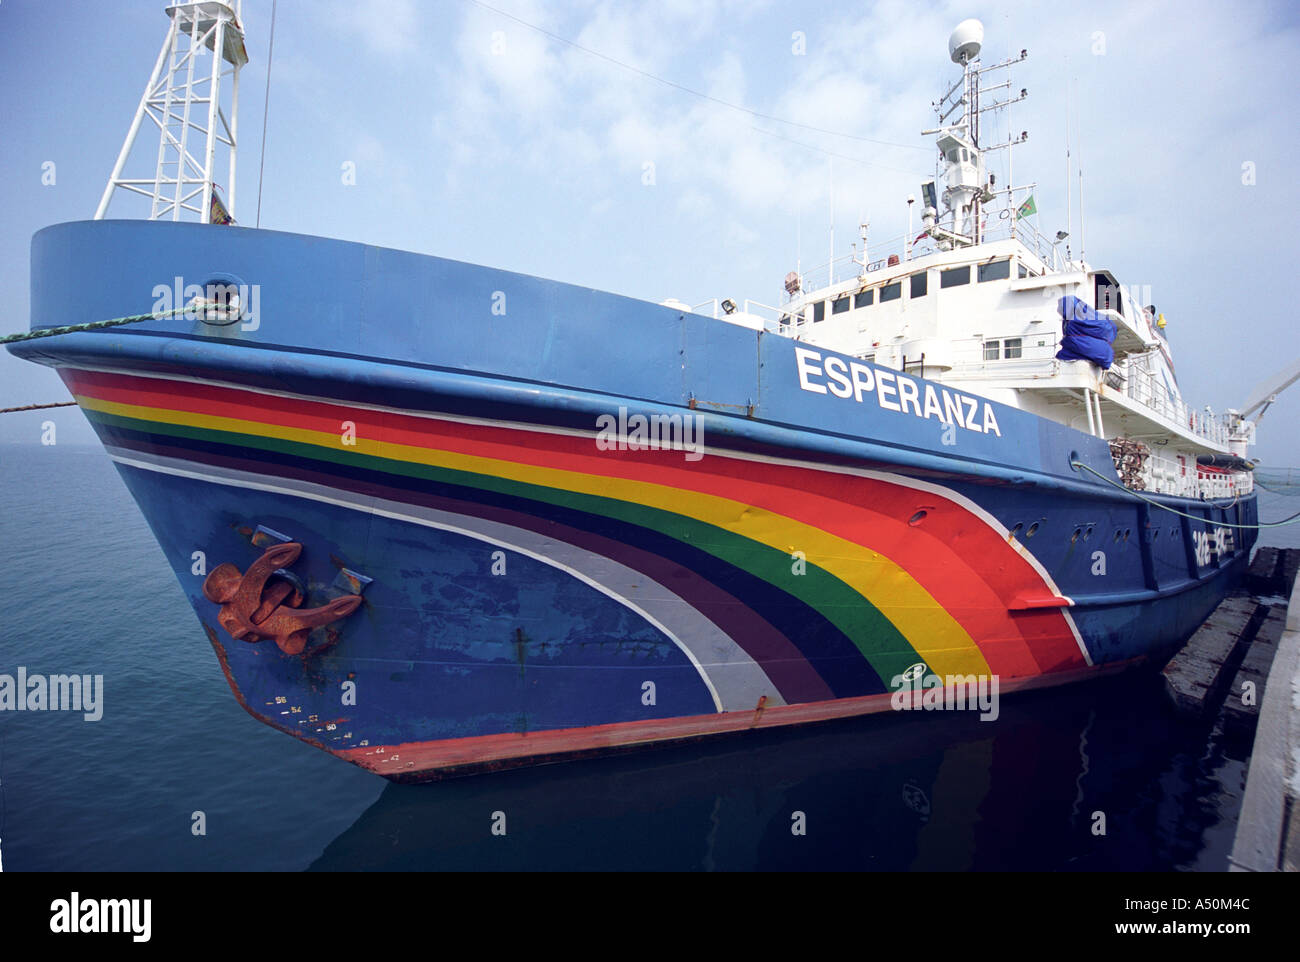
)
(534, 596)
(783, 583)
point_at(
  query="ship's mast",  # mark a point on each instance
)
(204, 45)
(967, 185)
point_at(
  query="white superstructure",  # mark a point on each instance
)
(975, 302)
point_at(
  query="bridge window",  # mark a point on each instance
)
(840, 304)
(1007, 350)
(891, 292)
(955, 277)
(864, 298)
(920, 287)
(996, 271)
(819, 311)
(1108, 295)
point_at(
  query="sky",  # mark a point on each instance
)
(476, 132)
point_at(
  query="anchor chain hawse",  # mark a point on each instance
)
(252, 611)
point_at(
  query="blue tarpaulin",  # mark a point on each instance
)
(1087, 336)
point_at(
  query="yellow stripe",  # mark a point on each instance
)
(938, 638)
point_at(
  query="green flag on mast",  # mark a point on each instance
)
(1027, 208)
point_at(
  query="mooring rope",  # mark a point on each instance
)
(1220, 524)
(94, 325)
(39, 407)
(88, 326)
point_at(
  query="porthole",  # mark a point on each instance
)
(1033, 530)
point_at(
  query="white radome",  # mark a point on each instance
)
(965, 43)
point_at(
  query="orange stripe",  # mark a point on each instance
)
(865, 511)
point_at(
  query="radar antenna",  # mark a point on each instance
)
(967, 185)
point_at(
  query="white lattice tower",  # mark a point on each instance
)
(204, 46)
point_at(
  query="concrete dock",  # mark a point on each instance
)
(1268, 828)
(1197, 679)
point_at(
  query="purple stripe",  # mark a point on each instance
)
(780, 659)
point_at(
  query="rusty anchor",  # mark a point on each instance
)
(253, 612)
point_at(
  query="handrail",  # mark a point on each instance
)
(1183, 477)
(1146, 391)
(823, 275)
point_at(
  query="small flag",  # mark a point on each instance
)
(1027, 208)
(218, 213)
(920, 236)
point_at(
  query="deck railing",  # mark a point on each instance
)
(1161, 474)
(1135, 381)
(970, 356)
(848, 266)
(1144, 387)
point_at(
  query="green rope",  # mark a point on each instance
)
(1220, 524)
(93, 325)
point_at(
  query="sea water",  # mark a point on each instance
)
(175, 775)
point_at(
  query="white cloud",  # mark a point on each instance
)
(387, 27)
(557, 137)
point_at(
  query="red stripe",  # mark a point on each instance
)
(865, 511)
(460, 756)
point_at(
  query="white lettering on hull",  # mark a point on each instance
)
(892, 391)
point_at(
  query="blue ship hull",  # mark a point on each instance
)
(536, 577)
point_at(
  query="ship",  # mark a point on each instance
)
(437, 518)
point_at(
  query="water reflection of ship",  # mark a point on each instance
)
(947, 792)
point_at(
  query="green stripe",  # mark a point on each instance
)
(874, 635)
